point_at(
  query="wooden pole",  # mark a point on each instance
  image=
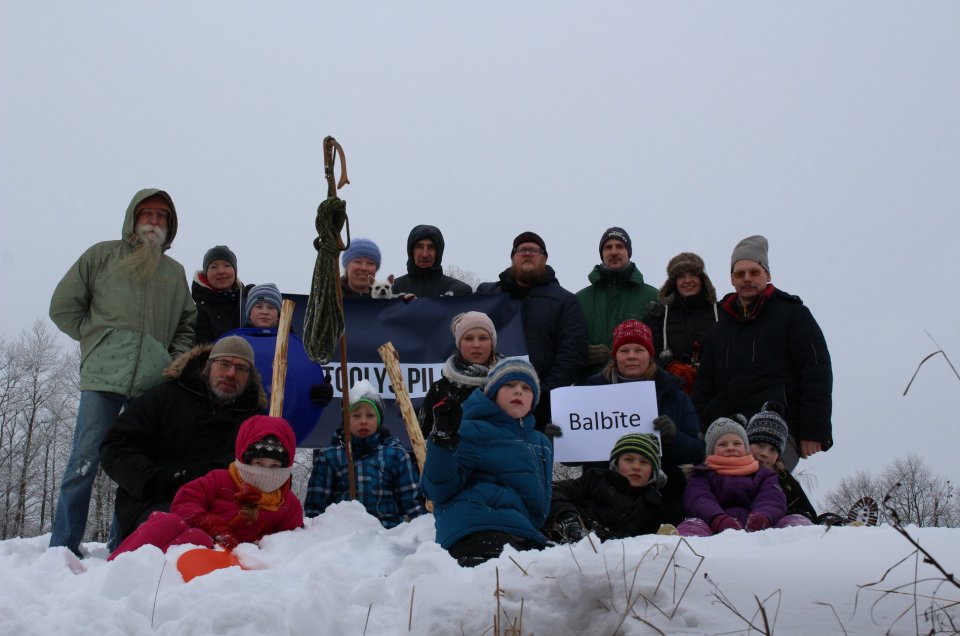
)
(279, 382)
(391, 360)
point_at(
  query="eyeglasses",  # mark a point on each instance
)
(153, 213)
(226, 365)
(528, 251)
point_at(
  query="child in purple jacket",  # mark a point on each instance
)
(731, 490)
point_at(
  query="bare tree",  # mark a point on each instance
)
(470, 278)
(37, 404)
(918, 495)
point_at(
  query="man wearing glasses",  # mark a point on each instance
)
(767, 346)
(553, 323)
(181, 429)
(129, 306)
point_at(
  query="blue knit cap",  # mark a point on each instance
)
(509, 370)
(266, 293)
(361, 248)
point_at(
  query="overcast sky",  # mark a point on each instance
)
(831, 128)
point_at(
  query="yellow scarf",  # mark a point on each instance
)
(744, 465)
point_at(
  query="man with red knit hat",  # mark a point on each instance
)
(553, 323)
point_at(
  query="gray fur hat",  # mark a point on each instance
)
(722, 426)
(752, 248)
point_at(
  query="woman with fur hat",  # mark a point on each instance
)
(731, 490)
(616, 501)
(686, 309)
(387, 482)
(489, 472)
(767, 433)
(244, 502)
(476, 341)
(632, 361)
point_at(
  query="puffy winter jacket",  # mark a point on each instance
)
(709, 494)
(497, 478)
(218, 310)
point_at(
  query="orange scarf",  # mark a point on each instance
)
(744, 465)
(268, 500)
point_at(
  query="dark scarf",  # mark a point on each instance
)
(463, 373)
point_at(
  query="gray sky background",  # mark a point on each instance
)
(832, 128)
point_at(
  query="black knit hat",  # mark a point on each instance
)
(219, 253)
(619, 234)
(528, 237)
(269, 447)
(769, 427)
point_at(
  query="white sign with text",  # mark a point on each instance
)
(593, 418)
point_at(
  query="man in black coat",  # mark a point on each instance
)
(424, 275)
(181, 429)
(767, 346)
(553, 322)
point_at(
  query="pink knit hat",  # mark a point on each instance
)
(462, 323)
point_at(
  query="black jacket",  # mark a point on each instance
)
(170, 435)
(776, 353)
(430, 281)
(688, 322)
(217, 311)
(608, 504)
(554, 328)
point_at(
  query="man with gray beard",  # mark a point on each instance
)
(181, 429)
(129, 306)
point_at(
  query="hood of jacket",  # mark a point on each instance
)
(188, 367)
(419, 233)
(479, 407)
(130, 218)
(259, 426)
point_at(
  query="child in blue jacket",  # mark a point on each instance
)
(489, 472)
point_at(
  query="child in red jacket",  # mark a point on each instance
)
(248, 500)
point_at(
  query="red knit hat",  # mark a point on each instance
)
(633, 331)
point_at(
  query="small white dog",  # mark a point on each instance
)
(382, 288)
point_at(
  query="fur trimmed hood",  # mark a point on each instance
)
(188, 366)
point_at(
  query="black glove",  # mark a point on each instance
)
(447, 414)
(569, 527)
(551, 430)
(666, 427)
(321, 394)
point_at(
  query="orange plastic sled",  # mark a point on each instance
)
(200, 561)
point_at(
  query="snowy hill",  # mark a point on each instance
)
(345, 574)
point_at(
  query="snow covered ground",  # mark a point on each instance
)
(345, 574)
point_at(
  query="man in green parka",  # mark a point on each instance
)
(129, 306)
(616, 293)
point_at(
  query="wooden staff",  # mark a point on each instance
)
(331, 148)
(391, 360)
(279, 382)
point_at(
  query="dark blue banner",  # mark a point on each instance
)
(420, 332)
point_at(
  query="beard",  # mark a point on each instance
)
(529, 277)
(222, 393)
(143, 260)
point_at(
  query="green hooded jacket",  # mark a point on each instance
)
(613, 297)
(128, 330)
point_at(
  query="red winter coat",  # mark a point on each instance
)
(214, 494)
